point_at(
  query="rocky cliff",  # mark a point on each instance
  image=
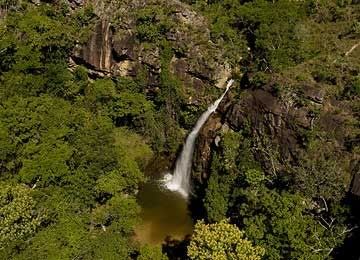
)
(120, 46)
(286, 125)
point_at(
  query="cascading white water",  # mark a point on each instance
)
(180, 180)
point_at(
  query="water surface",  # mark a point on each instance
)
(164, 214)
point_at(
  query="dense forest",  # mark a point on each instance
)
(93, 93)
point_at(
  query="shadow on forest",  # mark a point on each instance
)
(176, 249)
(350, 249)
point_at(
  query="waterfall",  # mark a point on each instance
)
(180, 180)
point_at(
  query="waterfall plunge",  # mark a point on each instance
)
(180, 180)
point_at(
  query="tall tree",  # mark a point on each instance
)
(222, 241)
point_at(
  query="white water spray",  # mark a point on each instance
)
(180, 180)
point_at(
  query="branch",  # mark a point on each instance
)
(330, 251)
(325, 204)
(328, 224)
(34, 186)
(260, 147)
(3, 50)
(352, 49)
(323, 249)
(103, 227)
(348, 230)
(322, 225)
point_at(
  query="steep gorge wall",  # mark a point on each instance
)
(114, 48)
(283, 127)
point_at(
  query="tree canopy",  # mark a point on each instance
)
(221, 241)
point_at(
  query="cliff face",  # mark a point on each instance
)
(114, 48)
(284, 124)
(96, 53)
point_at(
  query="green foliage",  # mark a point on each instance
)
(279, 222)
(151, 253)
(189, 116)
(129, 173)
(47, 37)
(223, 174)
(321, 178)
(34, 48)
(254, 177)
(353, 90)
(272, 25)
(140, 151)
(233, 165)
(85, 16)
(59, 145)
(64, 239)
(18, 216)
(216, 200)
(129, 106)
(152, 23)
(7, 150)
(102, 90)
(119, 214)
(35, 119)
(57, 138)
(165, 129)
(221, 241)
(171, 96)
(223, 32)
(230, 145)
(259, 79)
(73, 150)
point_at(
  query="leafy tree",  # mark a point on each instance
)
(230, 166)
(280, 223)
(118, 215)
(218, 191)
(42, 121)
(129, 108)
(140, 152)
(34, 46)
(7, 151)
(103, 90)
(109, 246)
(321, 178)
(151, 253)
(224, 31)
(271, 26)
(254, 177)
(57, 138)
(221, 241)
(152, 23)
(18, 215)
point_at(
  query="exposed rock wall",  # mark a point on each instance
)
(96, 53)
(204, 144)
(280, 124)
(114, 50)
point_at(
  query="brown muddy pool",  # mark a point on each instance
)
(164, 214)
